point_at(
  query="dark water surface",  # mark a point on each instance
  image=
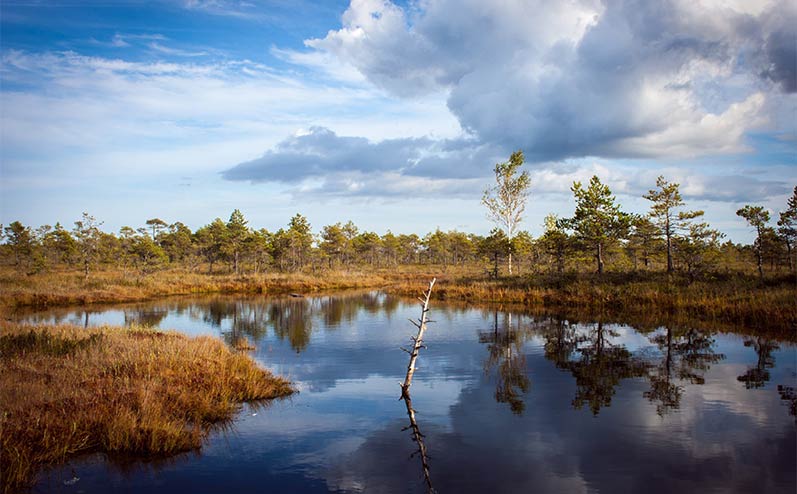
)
(505, 402)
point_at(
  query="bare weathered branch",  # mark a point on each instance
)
(418, 340)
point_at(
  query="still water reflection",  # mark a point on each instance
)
(507, 402)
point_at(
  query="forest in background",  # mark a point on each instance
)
(667, 238)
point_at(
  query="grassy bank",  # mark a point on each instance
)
(738, 298)
(738, 301)
(71, 288)
(67, 390)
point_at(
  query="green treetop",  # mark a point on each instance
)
(597, 219)
(666, 200)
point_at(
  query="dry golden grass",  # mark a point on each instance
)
(58, 288)
(67, 390)
(739, 302)
(737, 297)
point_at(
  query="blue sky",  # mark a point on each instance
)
(391, 114)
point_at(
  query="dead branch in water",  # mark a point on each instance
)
(417, 340)
(417, 437)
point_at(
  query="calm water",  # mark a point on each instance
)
(505, 402)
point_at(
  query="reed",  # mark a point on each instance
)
(68, 390)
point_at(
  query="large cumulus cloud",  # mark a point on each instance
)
(619, 78)
(566, 82)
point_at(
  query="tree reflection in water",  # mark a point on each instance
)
(685, 357)
(597, 365)
(505, 353)
(293, 318)
(145, 316)
(561, 340)
(757, 376)
(600, 368)
(418, 438)
(789, 395)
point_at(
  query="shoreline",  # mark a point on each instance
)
(734, 299)
(122, 390)
(644, 302)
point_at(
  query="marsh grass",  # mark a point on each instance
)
(68, 287)
(738, 301)
(67, 390)
(734, 297)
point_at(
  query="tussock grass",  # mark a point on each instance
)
(67, 390)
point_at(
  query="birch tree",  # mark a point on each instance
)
(506, 200)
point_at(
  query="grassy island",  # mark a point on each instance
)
(69, 390)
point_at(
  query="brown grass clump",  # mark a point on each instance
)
(67, 390)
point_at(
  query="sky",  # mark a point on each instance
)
(390, 114)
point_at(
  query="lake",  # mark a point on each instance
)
(504, 401)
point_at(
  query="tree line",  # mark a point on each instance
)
(668, 238)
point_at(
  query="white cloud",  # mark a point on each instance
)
(71, 103)
(323, 63)
(319, 162)
(175, 51)
(579, 78)
(700, 133)
(225, 8)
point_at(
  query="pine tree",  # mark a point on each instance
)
(787, 226)
(597, 219)
(757, 217)
(237, 234)
(666, 200)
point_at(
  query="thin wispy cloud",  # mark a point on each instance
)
(73, 104)
(226, 8)
(176, 51)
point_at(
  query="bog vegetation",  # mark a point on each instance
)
(599, 237)
(138, 391)
(665, 259)
(67, 390)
